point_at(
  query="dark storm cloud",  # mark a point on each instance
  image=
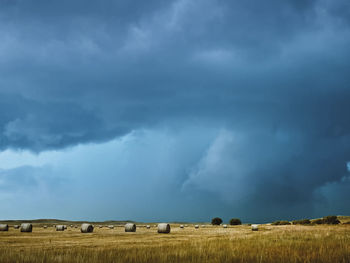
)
(274, 73)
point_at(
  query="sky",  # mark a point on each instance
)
(178, 110)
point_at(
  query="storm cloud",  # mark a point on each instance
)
(255, 92)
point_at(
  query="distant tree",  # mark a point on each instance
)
(318, 221)
(331, 220)
(280, 223)
(235, 221)
(216, 221)
(302, 222)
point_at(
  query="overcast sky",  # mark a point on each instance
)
(174, 110)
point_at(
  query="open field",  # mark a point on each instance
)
(321, 243)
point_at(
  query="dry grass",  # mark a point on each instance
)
(210, 244)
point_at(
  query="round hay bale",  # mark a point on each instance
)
(185, 225)
(100, 226)
(65, 227)
(60, 228)
(110, 226)
(255, 227)
(86, 228)
(148, 226)
(16, 226)
(71, 226)
(44, 227)
(181, 226)
(130, 227)
(26, 227)
(163, 228)
(202, 225)
(225, 226)
(196, 226)
(4, 227)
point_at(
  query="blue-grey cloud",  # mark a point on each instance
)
(272, 76)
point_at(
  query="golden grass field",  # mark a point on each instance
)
(270, 244)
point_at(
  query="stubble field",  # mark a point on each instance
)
(209, 244)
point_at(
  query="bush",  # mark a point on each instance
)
(302, 222)
(331, 220)
(280, 223)
(216, 221)
(235, 221)
(318, 221)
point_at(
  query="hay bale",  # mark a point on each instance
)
(110, 226)
(65, 227)
(225, 226)
(16, 226)
(26, 227)
(130, 227)
(71, 226)
(86, 228)
(148, 226)
(4, 227)
(100, 226)
(181, 226)
(202, 225)
(255, 227)
(44, 227)
(60, 228)
(163, 228)
(196, 226)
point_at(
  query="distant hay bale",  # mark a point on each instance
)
(255, 227)
(110, 226)
(86, 228)
(185, 225)
(202, 225)
(181, 226)
(130, 227)
(225, 226)
(196, 226)
(71, 226)
(60, 228)
(65, 227)
(148, 226)
(26, 227)
(44, 227)
(4, 227)
(163, 228)
(100, 226)
(16, 226)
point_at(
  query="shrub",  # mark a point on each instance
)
(318, 221)
(331, 220)
(235, 221)
(216, 221)
(280, 223)
(302, 222)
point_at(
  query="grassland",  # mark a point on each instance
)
(293, 243)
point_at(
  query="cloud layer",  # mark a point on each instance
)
(263, 85)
